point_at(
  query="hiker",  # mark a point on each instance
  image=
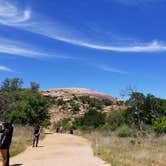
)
(57, 130)
(5, 143)
(36, 135)
(71, 131)
(11, 128)
(1, 130)
(61, 129)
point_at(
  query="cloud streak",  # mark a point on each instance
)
(4, 68)
(13, 16)
(107, 68)
(19, 49)
(24, 50)
(154, 46)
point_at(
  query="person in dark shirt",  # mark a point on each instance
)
(1, 130)
(36, 135)
(5, 143)
(11, 128)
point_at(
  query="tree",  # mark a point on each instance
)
(152, 108)
(12, 84)
(6, 84)
(94, 118)
(34, 86)
(16, 83)
(136, 102)
(22, 105)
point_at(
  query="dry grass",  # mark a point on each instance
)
(22, 137)
(147, 151)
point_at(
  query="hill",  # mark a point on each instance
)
(73, 102)
(68, 93)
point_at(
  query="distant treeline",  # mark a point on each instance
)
(23, 105)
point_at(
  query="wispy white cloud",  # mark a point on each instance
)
(11, 15)
(110, 69)
(21, 49)
(4, 68)
(154, 46)
(22, 18)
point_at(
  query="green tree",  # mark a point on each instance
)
(115, 119)
(12, 84)
(22, 105)
(136, 102)
(34, 86)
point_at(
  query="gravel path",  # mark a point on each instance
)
(59, 150)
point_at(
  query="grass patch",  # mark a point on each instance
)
(129, 151)
(22, 137)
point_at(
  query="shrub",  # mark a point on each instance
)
(78, 121)
(107, 102)
(75, 106)
(115, 119)
(85, 128)
(92, 119)
(159, 125)
(105, 127)
(94, 103)
(124, 131)
(60, 102)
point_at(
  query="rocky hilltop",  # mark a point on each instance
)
(73, 102)
(68, 93)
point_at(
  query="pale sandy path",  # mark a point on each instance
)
(59, 150)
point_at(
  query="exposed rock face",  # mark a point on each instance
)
(70, 104)
(68, 93)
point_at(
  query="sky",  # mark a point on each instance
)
(102, 45)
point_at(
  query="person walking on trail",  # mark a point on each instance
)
(36, 135)
(5, 143)
(11, 128)
(61, 129)
(1, 130)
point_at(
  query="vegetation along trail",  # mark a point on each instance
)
(59, 150)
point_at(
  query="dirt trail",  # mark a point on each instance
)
(59, 150)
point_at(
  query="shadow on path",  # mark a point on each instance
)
(40, 146)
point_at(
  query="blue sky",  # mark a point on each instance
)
(103, 45)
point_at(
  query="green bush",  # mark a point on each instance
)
(105, 127)
(93, 119)
(159, 125)
(94, 102)
(60, 102)
(75, 106)
(107, 102)
(124, 131)
(23, 106)
(115, 119)
(78, 122)
(85, 128)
